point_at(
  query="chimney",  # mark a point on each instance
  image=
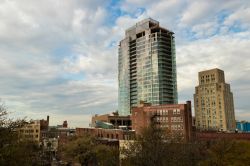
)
(48, 120)
(65, 124)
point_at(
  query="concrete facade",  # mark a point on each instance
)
(213, 102)
(176, 119)
(114, 119)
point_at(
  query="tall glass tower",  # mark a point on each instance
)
(147, 66)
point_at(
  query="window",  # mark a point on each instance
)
(165, 112)
(157, 119)
(174, 127)
(174, 111)
(173, 119)
(161, 112)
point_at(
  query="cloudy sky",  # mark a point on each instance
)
(59, 57)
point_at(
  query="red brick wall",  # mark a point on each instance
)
(206, 136)
(142, 116)
(105, 133)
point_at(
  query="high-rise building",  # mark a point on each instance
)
(147, 67)
(213, 102)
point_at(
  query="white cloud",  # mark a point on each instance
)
(241, 16)
(200, 11)
(205, 30)
(60, 57)
(196, 11)
(229, 53)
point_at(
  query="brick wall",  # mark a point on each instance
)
(106, 133)
(206, 136)
(175, 118)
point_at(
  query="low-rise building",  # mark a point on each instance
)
(208, 136)
(243, 126)
(57, 132)
(111, 134)
(30, 131)
(176, 119)
(115, 119)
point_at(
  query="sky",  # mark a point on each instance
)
(60, 57)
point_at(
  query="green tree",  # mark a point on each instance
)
(227, 153)
(106, 155)
(88, 151)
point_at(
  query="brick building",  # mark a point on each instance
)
(175, 118)
(111, 134)
(44, 124)
(30, 131)
(208, 136)
(34, 130)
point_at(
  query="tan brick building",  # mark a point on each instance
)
(175, 118)
(30, 131)
(213, 102)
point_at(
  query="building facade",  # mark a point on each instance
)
(213, 102)
(108, 134)
(175, 119)
(243, 126)
(210, 136)
(30, 131)
(147, 66)
(115, 119)
(44, 124)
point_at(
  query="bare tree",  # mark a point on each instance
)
(159, 147)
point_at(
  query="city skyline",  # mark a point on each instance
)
(59, 58)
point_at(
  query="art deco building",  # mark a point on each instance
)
(147, 67)
(213, 101)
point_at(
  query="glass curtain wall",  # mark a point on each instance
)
(147, 67)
